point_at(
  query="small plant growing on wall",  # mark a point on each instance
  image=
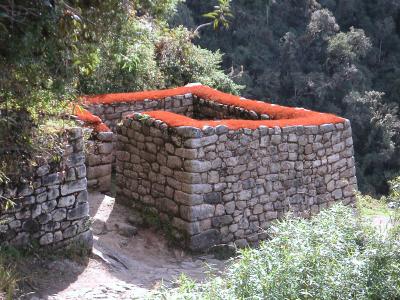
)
(143, 118)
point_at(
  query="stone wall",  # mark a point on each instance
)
(204, 109)
(113, 113)
(219, 168)
(99, 159)
(222, 185)
(52, 206)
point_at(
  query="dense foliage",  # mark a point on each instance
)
(51, 51)
(332, 256)
(336, 56)
(340, 56)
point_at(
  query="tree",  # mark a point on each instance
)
(56, 50)
(314, 53)
(219, 16)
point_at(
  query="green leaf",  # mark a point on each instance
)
(211, 15)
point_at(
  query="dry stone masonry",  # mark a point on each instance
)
(52, 208)
(219, 168)
(113, 113)
(99, 159)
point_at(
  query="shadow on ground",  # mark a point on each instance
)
(126, 263)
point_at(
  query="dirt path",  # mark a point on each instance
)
(121, 267)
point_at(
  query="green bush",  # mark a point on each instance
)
(332, 256)
(395, 189)
(55, 51)
(8, 276)
(371, 207)
(148, 56)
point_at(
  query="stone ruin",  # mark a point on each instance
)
(51, 205)
(217, 168)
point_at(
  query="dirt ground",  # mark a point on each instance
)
(121, 266)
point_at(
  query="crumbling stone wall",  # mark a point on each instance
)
(220, 185)
(52, 207)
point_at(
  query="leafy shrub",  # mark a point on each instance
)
(44, 142)
(332, 256)
(146, 56)
(369, 206)
(54, 51)
(395, 189)
(181, 62)
(9, 277)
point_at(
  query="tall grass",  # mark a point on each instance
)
(8, 279)
(332, 256)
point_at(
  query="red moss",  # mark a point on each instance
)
(135, 96)
(175, 120)
(282, 116)
(90, 119)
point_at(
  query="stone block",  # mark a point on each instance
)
(105, 136)
(48, 206)
(42, 170)
(197, 166)
(174, 162)
(59, 214)
(188, 199)
(213, 198)
(70, 232)
(197, 212)
(52, 179)
(78, 212)
(222, 220)
(75, 159)
(82, 196)
(204, 240)
(73, 186)
(31, 226)
(98, 171)
(189, 132)
(201, 188)
(46, 239)
(201, 142)
(66, 201)
(81, 171)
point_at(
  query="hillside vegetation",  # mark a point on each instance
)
(336, 56)
(335, 255)
(51, 52)
(339, 56)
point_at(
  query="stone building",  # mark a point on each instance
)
(220, 168)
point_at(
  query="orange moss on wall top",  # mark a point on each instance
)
(136, 96)
(281, 116)
(90, 119)
(175, 120)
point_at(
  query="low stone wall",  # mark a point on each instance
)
(99, 159)
(221, 185)
(188, 105)
(52, 208)
(204, 109)
(99, 150)
(114, 112)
